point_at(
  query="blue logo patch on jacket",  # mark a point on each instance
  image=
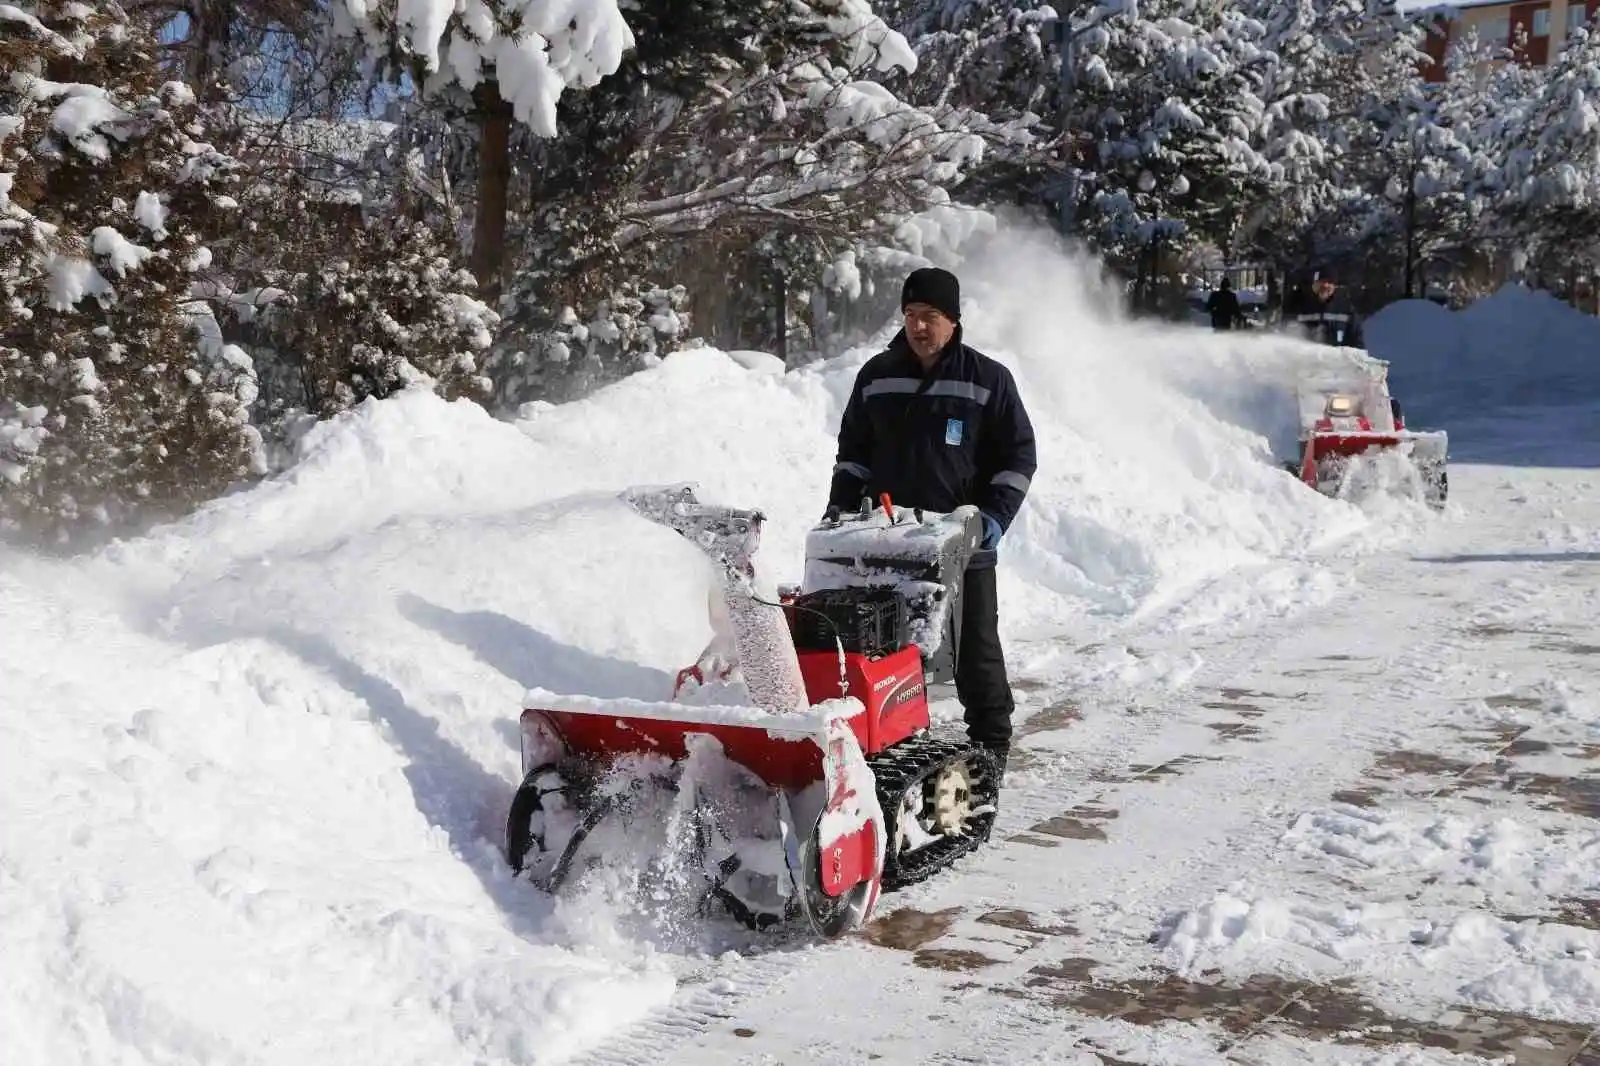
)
(953, 429)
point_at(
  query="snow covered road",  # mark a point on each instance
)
(1367, 833)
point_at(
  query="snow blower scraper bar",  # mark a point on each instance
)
(792, 767)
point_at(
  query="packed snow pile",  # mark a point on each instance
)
(1517, 348)
(276, 741)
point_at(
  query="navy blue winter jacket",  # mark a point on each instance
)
(957, 435)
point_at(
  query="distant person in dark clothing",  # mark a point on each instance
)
(1329, 315)
(1343, 328)
(1224, 307)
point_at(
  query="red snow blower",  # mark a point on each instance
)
(1347, 413)
(791, 771)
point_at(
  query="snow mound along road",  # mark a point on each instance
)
(1159, 447)
(1517, 348)
(276, 740)
(237, 848)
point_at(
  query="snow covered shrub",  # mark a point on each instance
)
(118, 401)
(629, 329)
(390, 311)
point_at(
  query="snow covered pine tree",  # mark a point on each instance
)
(116, 404)
(389, 312)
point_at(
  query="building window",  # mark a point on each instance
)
(1495, 32)
(1577, 15)
(1541, 23)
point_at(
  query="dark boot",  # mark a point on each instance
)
(1001, 753)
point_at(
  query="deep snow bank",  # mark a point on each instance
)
(243, 845)
(1158, 450)
(1517, 348)
(257, 763)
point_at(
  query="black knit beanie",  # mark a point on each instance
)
(934, 287)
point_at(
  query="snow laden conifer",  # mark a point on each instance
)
(1274, 148)
(532, 51)
(388, 310)
(498, 62)
(1550, 174)
(1397, 179)
(742, 142)
(1160, 71)
(118, 401)
(1001, 60)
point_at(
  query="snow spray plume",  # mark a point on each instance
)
(1157, 440)
(1066, 318)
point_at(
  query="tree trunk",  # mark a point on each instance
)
(208, 49)
(494, 178)
(781, 321)
(1411, 230)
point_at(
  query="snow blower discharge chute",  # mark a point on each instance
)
(793, 762)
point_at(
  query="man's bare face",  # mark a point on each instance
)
(928, 330)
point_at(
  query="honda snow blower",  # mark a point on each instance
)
(792, 765)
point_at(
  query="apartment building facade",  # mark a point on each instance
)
(1546, 24)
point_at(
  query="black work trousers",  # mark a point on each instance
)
(981, 683)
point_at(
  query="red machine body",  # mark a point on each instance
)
(831, 685)
(891, 688)
(782, 762)
(1346, 412)
(1328, 443)
(894, 698)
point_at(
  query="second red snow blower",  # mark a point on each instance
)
(792, 770)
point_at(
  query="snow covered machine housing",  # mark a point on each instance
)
(1346, 414)
(791, 770)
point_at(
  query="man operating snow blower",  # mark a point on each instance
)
(938, 425)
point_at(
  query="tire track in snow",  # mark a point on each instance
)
(713, 992)
(1272, 774)
(697, 1005)
(1418, 672)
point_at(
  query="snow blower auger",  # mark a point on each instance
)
(792, 765)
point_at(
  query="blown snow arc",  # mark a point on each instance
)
(793, 762)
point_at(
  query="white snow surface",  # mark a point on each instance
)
(1518, 356)
(256, 763)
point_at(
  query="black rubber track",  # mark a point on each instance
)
(915, 763)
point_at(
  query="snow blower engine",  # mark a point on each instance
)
(790, 771)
